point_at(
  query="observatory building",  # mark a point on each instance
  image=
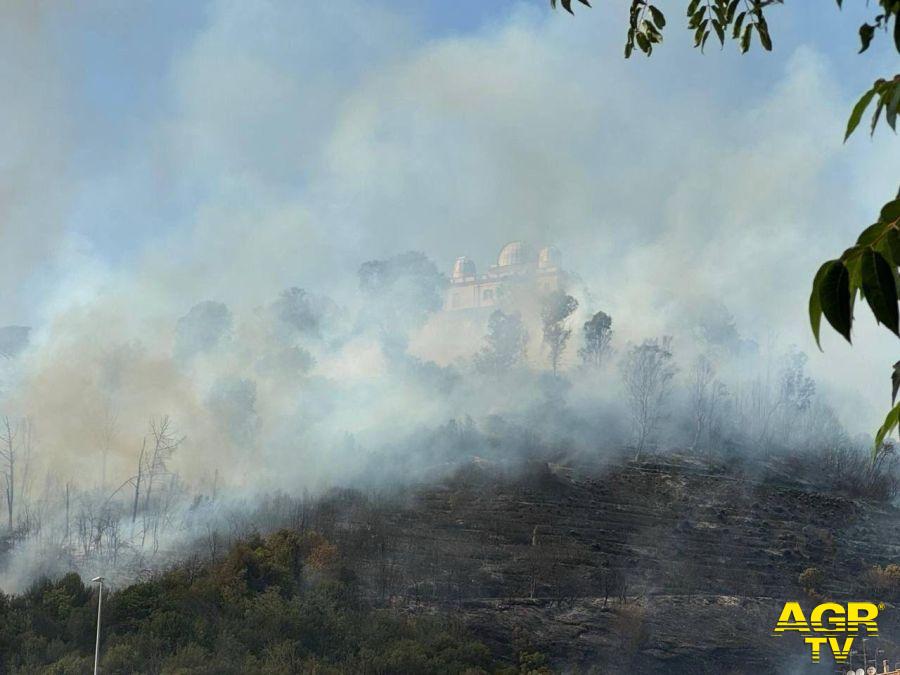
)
(520, 269)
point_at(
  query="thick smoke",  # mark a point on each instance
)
(273, 288)
(129, 451)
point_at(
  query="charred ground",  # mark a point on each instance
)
(671, 564)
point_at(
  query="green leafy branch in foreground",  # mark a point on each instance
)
(869, 269)
(567, 4)
(875, 274)
(887, 94)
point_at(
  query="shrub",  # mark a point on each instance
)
(245, 614)
(811, 580)
(885, 581)
(71, 664)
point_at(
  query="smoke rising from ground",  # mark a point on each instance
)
(288, 145)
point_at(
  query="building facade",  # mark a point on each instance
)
(520, 270)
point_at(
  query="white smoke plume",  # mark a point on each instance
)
(286, 144)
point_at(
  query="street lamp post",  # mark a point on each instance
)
(98, 580)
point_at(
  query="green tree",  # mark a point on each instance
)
(867, 269)
(245, 613)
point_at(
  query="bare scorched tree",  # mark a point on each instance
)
(648, 372)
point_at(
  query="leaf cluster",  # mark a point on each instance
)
(735, 18)
(867, 270)
(882, 21)
(567, 4)
(645, 25)
(886, 93)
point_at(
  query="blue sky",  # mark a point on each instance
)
(116, 59)
(169, 152)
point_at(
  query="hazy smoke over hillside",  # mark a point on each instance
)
(204, 262)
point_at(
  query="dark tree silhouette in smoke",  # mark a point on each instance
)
(505, 344)
(597, 339)
(400, 292)
(201, 329)
(555, 312)
(648, 372)
(298, 312)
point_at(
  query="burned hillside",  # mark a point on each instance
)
(675, 563)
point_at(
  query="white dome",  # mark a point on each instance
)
(515, 253)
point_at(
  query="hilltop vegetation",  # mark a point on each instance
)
(280, 604)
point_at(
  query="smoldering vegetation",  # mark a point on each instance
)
(124, 449)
